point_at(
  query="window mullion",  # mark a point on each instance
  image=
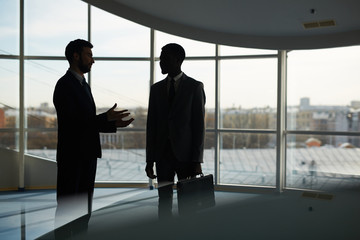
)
(281, 122)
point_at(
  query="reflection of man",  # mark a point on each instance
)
(175, 126)
(78, 134)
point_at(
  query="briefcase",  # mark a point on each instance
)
(195, 194)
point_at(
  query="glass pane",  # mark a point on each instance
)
(323, 89)
(9, 93)
(203, 71)
(41, 17)
(9, 27)
(231, 51)
(248, 159)
(322, 162)
(208, 166)
(123, 157)
(124, 83)
(9, 140)
(9, 103)
(248, 90)
(40, 81)
(42, 144)
(116, 37)
(192, 47)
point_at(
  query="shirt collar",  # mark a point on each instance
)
(177, 77)
(77, 76)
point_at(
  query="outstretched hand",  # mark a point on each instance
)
(118, 116)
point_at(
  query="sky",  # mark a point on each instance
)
(327, 77)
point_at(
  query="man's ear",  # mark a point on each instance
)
(76, 56)
(179, 61)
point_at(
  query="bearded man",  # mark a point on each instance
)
(79, 126)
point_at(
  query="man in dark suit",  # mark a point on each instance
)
(78, 133)
(175, 126)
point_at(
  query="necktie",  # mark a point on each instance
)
(86, 87)
(171, 90)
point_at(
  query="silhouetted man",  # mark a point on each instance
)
(78, 134)
(175, 126)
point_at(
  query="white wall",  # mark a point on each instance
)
(9, 169)
(39, 173)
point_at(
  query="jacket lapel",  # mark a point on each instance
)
(163, 93)
(178, 94)
(86, 97)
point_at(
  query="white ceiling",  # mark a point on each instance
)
(268, 24)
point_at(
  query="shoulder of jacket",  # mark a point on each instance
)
(159, 84)
(192, 81)
(66, 78)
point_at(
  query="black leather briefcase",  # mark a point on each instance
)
(195, 194)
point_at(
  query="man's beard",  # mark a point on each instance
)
(83, 67)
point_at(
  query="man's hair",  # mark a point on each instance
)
(76, 46)
(175, 50)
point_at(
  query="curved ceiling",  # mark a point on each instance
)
(267, 24)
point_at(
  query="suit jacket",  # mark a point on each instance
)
(182, 123)
(78, 124)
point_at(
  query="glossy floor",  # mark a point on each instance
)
(125, 213)
(30, 214)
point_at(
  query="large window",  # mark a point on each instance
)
(248, 103)
(50, 25)
(9, 103)
(322, 103)
(113, 36)
(121, 74)
(9, 74)
(247, 159)
(9, 27)
(323, 112)
(127, 84)
(40, 116)
(248, 93)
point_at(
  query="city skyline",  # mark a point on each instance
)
(327, 76)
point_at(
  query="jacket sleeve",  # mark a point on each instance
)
(151, 129)
(79, 118)
(104, 125)
(198, 123)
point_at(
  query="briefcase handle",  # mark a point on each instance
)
(201, 175)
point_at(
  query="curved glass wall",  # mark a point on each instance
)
(241, 86)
